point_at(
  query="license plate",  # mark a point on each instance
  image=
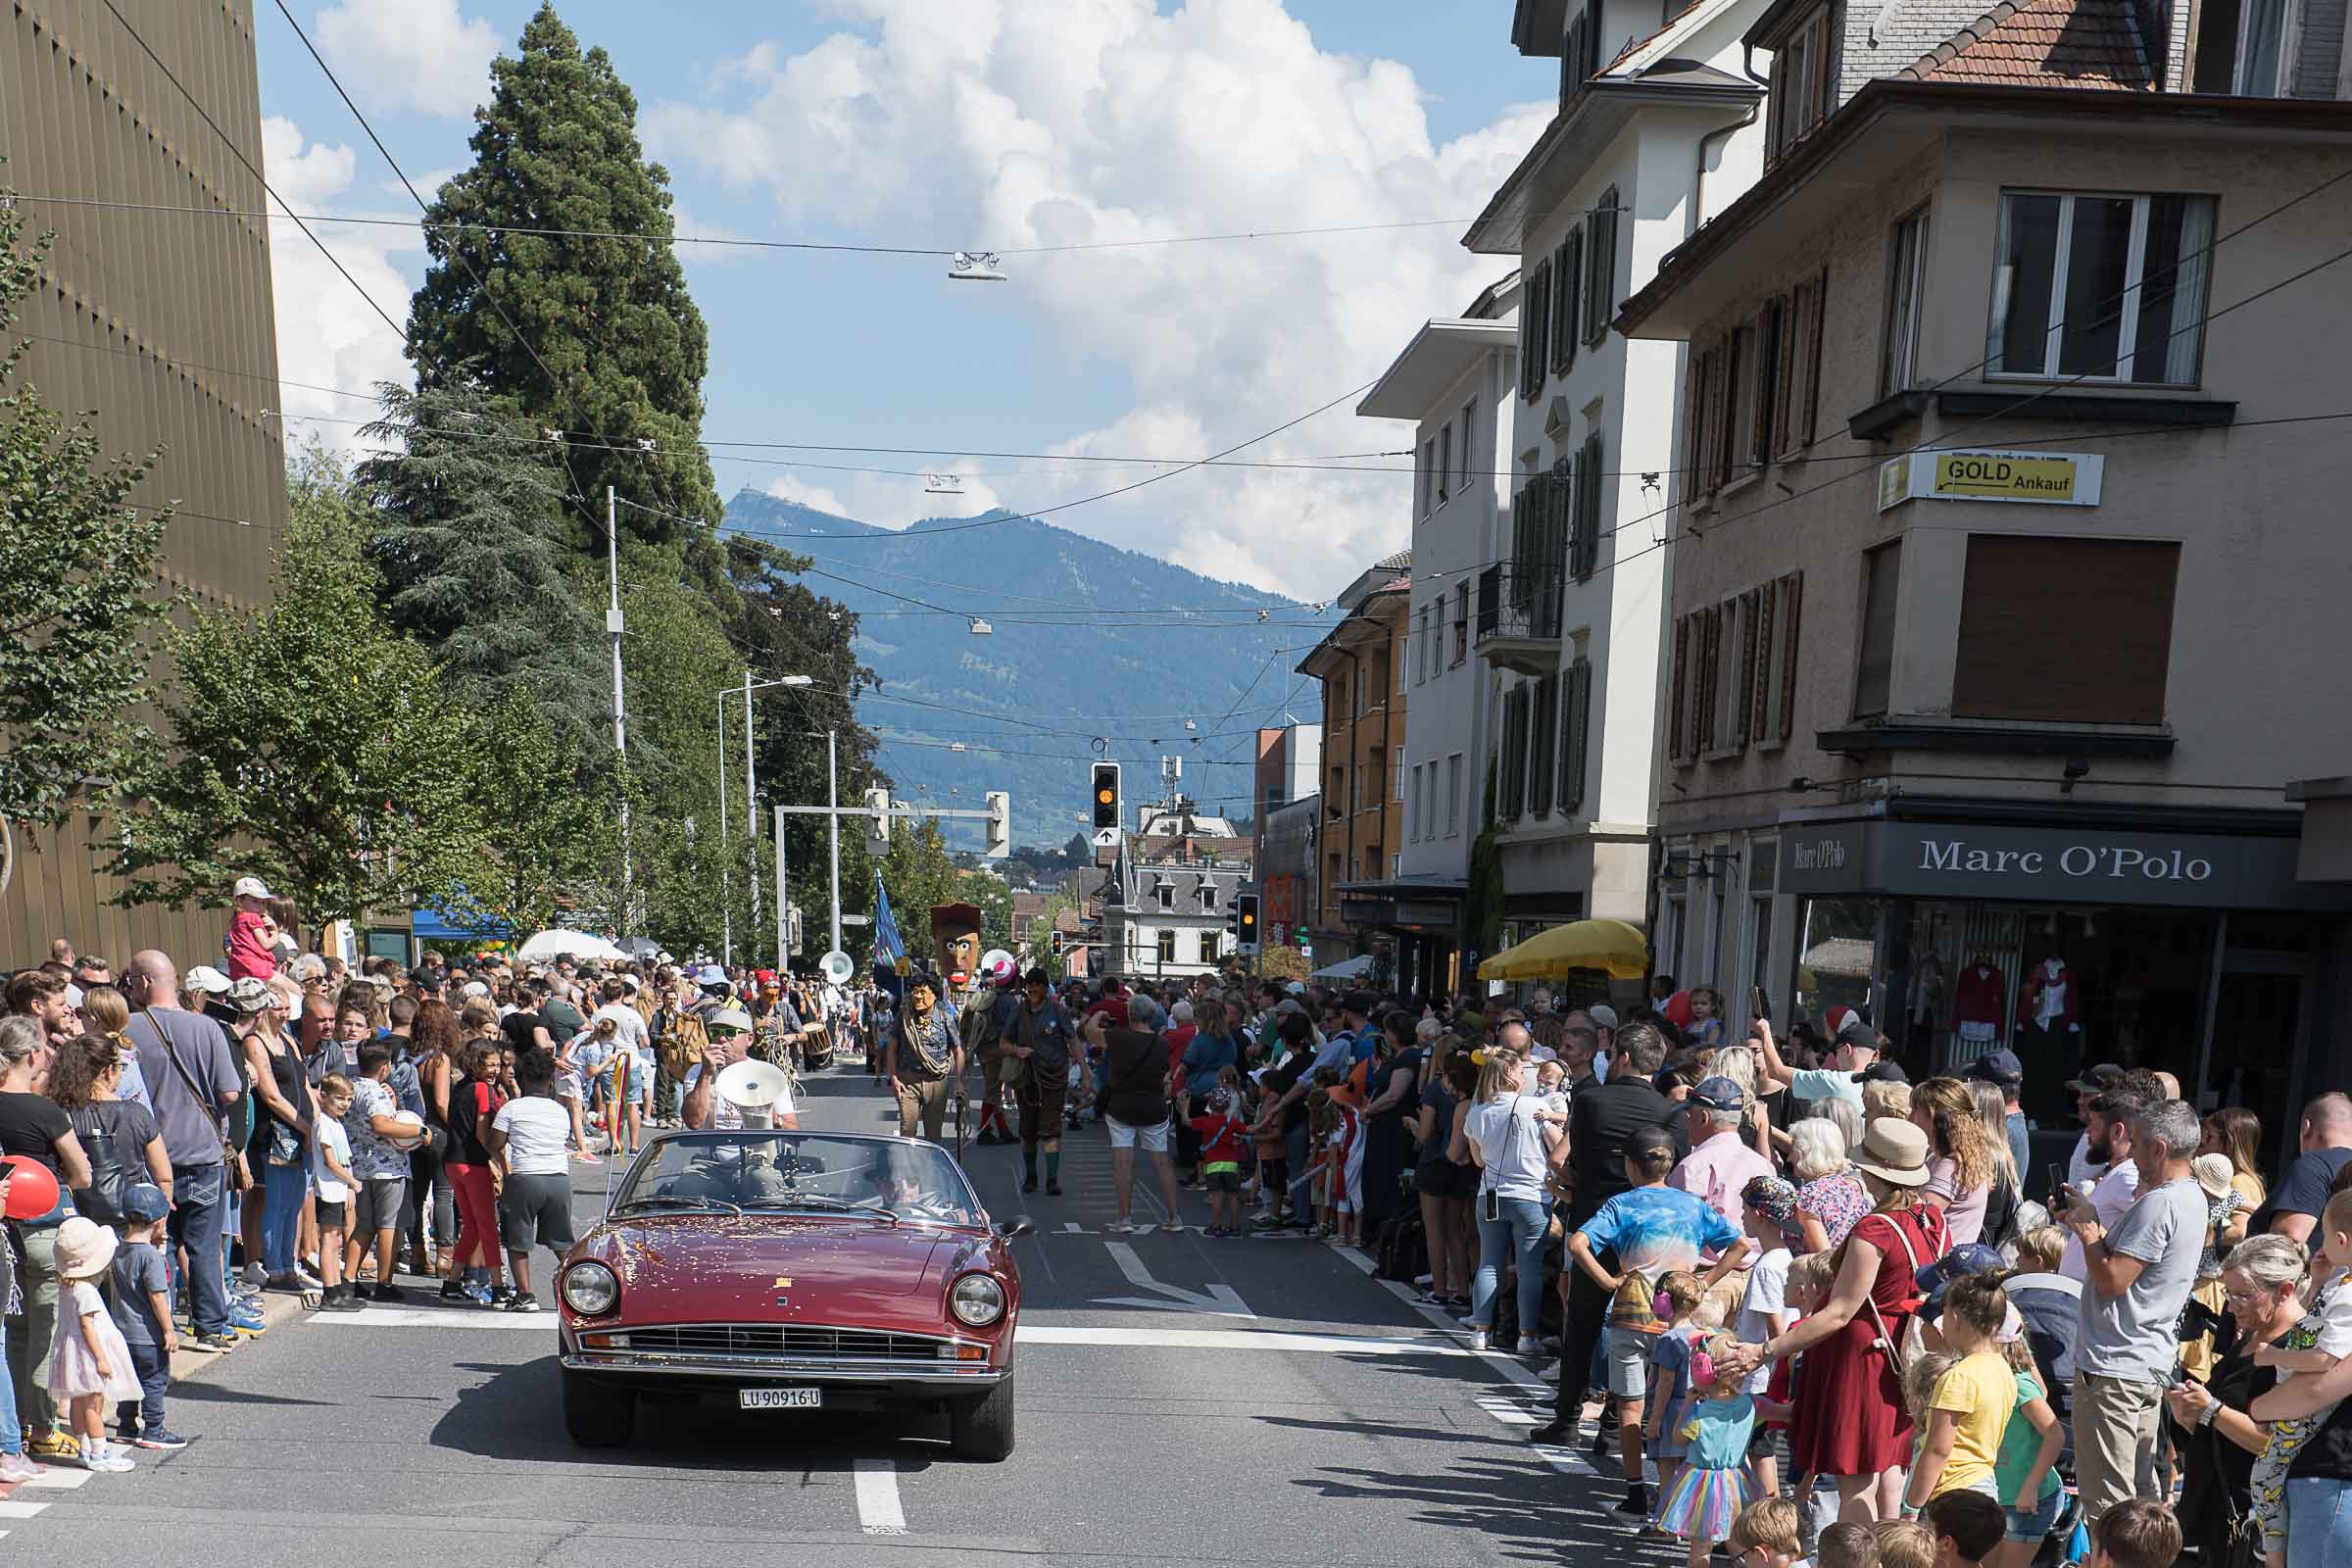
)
(781, 1398)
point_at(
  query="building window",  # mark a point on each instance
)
(2100, 288)
(1726, 708)
(1421, 632)
(1167, 946)
(1873, 664)
(1535, 331)
(1445, 464)
(1428, 477)
(1748, 374)
(1469, 425)
(2034, 646)
(1454, 795)
(1397, 764)
(1165, 894)
(1601, 269)
(1461, 622)
(1801, 83)
(1907, 277)
(1211, 945)
(1208, 896)
(1772, 686)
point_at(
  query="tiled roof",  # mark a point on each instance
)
(2091, 44)
(1401, 561)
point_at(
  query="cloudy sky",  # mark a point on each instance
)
(998, 123)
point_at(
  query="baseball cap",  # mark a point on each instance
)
(1884, 1072)
(1854, 1032)
(1996, 1067)
(1969, 1258)
(2097, 1080)
(1604, 1015)
(250, 887)
(732, 1018)
(209, 980)
(1719, 1094)
(145, 1203)
(1298, 988)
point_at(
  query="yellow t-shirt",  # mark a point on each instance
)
(1981, 1393)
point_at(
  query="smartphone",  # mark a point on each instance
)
(1755, 1001)
(2058, 1188)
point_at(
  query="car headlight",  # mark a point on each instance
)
(977, 1300)
(591, 1290)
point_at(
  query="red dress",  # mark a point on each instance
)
(1850, 1416)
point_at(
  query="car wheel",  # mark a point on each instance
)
(597, 1416)
(981, 1428)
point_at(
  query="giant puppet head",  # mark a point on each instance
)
(956, 944)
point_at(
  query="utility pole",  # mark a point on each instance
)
(783, 903)
(621, 720)
(833, 821)
(750, 798)
(726, 883)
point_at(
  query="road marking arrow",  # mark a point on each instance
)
(1219, 1300)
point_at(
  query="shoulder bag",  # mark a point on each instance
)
(233, 1173)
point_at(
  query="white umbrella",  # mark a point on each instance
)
(562, 943)
(1354, 968)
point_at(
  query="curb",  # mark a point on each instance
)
(278, 1308)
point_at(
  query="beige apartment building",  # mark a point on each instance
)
(160, 323)
(2008, 602)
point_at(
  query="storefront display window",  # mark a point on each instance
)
(1836, 956)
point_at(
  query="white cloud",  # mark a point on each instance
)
(784, 487)
(420, 54)
(327, 335)
(1071, 121)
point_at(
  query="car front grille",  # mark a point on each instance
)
(785, 1342)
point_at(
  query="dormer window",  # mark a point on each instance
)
(1801, 83)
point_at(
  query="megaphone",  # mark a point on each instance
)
(838, 966)
(752, 1088)
(998, 967)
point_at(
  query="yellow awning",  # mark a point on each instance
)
(1607, 945)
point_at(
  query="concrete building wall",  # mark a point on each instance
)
(163, 324)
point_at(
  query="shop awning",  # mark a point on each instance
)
(1354, 968)
(1611, 946)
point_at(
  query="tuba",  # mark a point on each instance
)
(752, 1088)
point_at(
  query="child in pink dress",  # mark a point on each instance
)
(90, 1369)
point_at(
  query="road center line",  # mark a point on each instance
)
(879, 1513)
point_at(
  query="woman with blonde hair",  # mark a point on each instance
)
(1509, 1146)
(1964, 1157)
(1830, 1197)
(1885, 1098)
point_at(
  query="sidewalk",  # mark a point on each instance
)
(278, 1308)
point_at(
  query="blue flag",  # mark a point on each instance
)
(887, 942)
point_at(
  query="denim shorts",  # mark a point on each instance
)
(2035, 1526)
(1629, 1362)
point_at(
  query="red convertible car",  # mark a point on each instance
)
(771, 1270)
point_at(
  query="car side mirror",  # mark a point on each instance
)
(1013, 1228)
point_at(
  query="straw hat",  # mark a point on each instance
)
(83, 1248)
(1894, 1151)
(2213, 1174)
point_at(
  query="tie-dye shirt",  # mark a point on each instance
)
(1654, 1230)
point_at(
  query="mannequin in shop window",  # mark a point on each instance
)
(2050, 1025)
(1979, 1004)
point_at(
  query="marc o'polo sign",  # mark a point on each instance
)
(2062, 865)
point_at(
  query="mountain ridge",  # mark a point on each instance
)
(1095, 650)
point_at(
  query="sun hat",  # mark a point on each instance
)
(2213, 1174)
(1894, 1151)
(709, 975)
(83, 1248)
(252, 998)
(209, 980)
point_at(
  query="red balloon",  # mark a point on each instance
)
(32, 1188)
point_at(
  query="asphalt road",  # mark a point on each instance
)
(1182, 1400)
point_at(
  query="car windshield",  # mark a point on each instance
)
(756, 1170)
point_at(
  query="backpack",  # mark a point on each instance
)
(683, 1045)
(110, 1176)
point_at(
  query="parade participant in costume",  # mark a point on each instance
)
(1039, 1044)
(986, 1015)
(923, 1058)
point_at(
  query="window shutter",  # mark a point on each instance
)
(1679, 692)
(1792, 595)
(1541, 734)
(1588, 503)
(1601, 293)
(1760, 684)
(1574, 723)
(1806, 416)
(1710, 677)
(1571, 293)
(1695, 405)
(1719, 416)
(1751, 679)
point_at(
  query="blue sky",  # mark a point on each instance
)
(954, 123)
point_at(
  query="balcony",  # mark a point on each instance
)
(1518, 619)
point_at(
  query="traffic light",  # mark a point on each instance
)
(1055, 944)
(1107, 796)
(1244, 915)
(1000, 824)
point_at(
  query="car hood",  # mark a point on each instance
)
(684, 1267)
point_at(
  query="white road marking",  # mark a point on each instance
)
(879, 1513)
(426, 1317)
(54, 1479)
(1218, 1301)
(12, 1509)
(1236, 1340)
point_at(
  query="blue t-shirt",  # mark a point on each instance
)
(1719, 1433)
(1670, 1358)
(1653, 1229)
(138, 1270)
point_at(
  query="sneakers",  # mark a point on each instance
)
(1029, 1184)
(307, 1280)
(56, 1447)
(1122, 1226)
(1053, 1188)
(104, 1458)
(217, 1344)
(524, 1304)
(163, 1438)
(1637, 1499)
(255, 1275)
(455, 1290)
(338, 1298)
(14, 1468)
(1478, 1340)
(1532, 1345)
(1423, 1280)
(390, 1294)
(501, 1294)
